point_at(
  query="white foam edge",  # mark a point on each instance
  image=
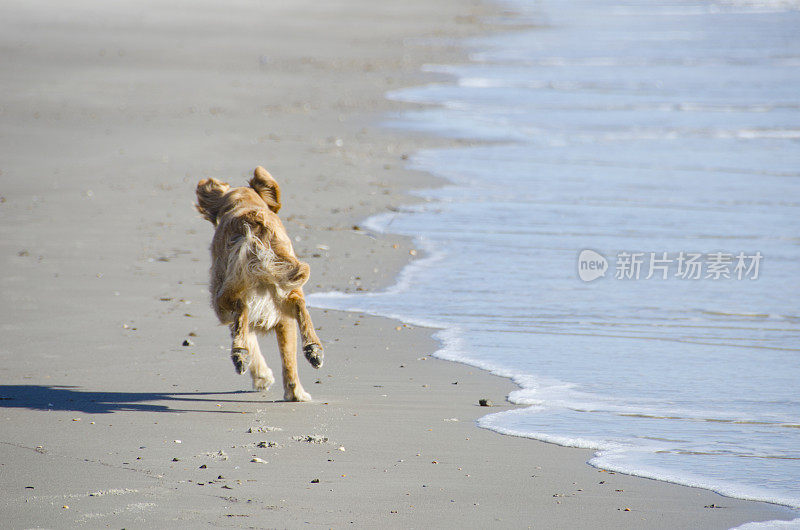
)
(770, 525)
(611, 456)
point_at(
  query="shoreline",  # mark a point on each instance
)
(108, 420)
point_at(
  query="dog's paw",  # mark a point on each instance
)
(262, 376)
(241, 359)
(263, 383)
(296, 395)
(314, 354)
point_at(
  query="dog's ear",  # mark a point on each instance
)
(267, 188)
(209, 198)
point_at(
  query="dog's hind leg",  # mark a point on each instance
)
(291, 274)
(240, 355)
(259, 371)
(311, 344)
(286, 330)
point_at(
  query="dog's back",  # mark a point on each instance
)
(244, 267)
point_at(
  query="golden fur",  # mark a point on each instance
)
(256, 279)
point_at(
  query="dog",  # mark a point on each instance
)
(256, 279)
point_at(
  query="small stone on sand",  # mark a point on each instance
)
(311, 438)
(263, 428)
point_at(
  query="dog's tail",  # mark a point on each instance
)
(209, 198)
(252, 261)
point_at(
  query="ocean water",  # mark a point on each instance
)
(665, 138)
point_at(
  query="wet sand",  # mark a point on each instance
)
(108, 117)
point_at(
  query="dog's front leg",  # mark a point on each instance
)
(311, 344)
(286, 330)
(240, 355)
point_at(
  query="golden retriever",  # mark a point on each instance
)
(256, 279)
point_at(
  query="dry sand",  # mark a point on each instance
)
(108, 117)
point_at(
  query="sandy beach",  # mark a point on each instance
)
(108, 118)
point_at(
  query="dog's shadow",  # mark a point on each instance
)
(72, 398)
